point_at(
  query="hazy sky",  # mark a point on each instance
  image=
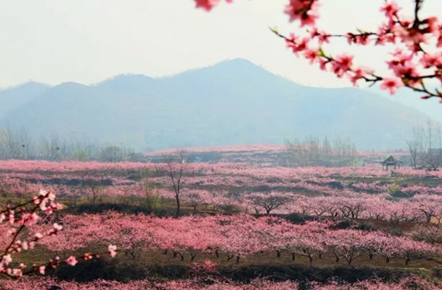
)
(87, 41)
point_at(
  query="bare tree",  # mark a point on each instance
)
(16, 144)
(425, 146)
(341, 152)
(268, 202)
(175, 166)
(51, 148)
(415, 145)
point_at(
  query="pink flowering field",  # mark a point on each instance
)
(240, 224)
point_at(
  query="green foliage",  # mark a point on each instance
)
(394, 189)
(80, 155)
(111, 154)
(152, 199)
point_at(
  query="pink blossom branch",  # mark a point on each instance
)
(413, 34)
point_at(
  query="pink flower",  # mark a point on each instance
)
(42, 204)
(43, 192)
(390, 9)
(33, 218)
(71, 261)
(391, 85)
(359, 73)
(439, 40)
(304, 10)
(322, 36)
(311, 54)
(342, 64)
(51, 196)
(297, 45)
(432, 25)
(57, 227)
(25, 245)
(11, 232)
(357, 39)
(11, 217)
(17, 272)
(431, 60)
(323, 64)
(112, 250)
(384, 35)
(6, 259)
(309, 18)
(208, 4)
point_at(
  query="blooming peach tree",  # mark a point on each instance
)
(417, 57)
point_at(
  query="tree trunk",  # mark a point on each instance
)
(293, 257)
(429, 219)
(177, 197)
(278, 253)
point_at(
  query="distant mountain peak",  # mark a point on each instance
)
(125, 77)
(28, 85)
(230, 103)
(238, 65)
(237, 68)
(238, 62)
(69, 84)
(125, 81)
(34, 84)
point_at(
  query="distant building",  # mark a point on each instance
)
(391, 161)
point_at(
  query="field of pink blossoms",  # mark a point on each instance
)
(241, 226)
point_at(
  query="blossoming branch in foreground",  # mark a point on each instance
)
(417, 42)
(13, 221)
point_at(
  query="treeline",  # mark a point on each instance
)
(316, 152)
(425, 146)
(20, 144)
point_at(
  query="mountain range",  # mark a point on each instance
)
(233, 102)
